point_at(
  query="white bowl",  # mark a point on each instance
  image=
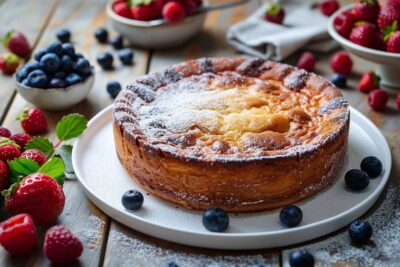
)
(147, 35)
(56, 98)
(388, 63)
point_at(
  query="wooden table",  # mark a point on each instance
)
(108, 243)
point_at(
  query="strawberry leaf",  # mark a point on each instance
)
(65, 153)
(139, 2)
(54, 167)
(7, 38)
(21, 167)
(42, 144)
(71, 126)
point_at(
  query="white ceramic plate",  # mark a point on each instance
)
(104, 180)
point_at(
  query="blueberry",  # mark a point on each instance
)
(59, 75)
(37, 78)
(32, 65)
(73, 78)
(50, 62)
(63, 35)
(82, 66)
(55, 48)
(68, 49)
(301, 258)
(105, 60)
(339, 80)
(25, 82)
(356, 180)
(78, 55)
(113, 88)
(57, 83)
(171, 264)
(126, 56)
(101, 35)
(117, 42)
(22, 74)
(291, 216)
(360, 231)
(40, 53)
(215, 220)
(67, 64)
(372, 166)
(132, 200)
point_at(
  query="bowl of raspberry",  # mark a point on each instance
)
(157, 24)
(371, 30)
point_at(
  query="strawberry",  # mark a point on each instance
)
(33, 120)
(275, 14)
(328, 7)
(173, 12)
(343, 23)
(18, 235)
(392, 38)
(9, 63)
(398, 100)
(34, 155)
(38, 195)
(17, 43)
(377, 99)
(341, 63)
(389, 13)
(146, 9)
(366, 10)
(21, 139)
(190, 6)
(367, 35)
(307, 61)
(9, 150)
(4, 175)
(122, 9)
(369, 81)
(4, 132)
(61, 246)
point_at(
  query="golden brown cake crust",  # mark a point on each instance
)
(242, 134)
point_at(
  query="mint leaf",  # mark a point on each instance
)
(21, 167)
(42, 144)
(65, 152)
(54, 167)
(71, 126)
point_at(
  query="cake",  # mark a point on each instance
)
(241, 134)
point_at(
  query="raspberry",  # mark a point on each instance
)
(307, 61)
(18, 234)
(34, 155)
(341, 63)
(328, 7)
(4, 132)
(398, 100)
(343, 24)
(378, 99)
(21, 139)
(173, 12)
(61, 246)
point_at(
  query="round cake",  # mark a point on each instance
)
(242, 134)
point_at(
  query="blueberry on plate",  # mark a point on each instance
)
(63, 35)
(73, 78)
(60, 75)
(126, 56)
(105, 60)
(117, 42)
(68, 49)
(37, 78)
(57, 83)
(360, 231)
(356, 180)
(101, 35)
(301, 258)
(40, 53)
(372, 166)
(113, 88)
(67, 64)
(82, 66)
(50, 62)
(215, 220)
(291, 216)
(339, 80)
(132, 200)
(55, 48)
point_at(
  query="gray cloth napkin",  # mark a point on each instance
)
(304, 27)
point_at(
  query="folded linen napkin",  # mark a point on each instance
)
(304, 27)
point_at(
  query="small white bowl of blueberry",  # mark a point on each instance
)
(57, 79)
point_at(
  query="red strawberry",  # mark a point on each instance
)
(366, 10)
(38, 195)
(398, 100)
(173, 12)
(122, 9)
(9, 150)
(21, 139)
(392, 38)
(366, 34)
(149, 11)
(341, 63)
(307, 61)
(4, 175)
(17, 43)
(34, 155)
(33, 120)
(369, 81)
(61, 246)
(377, 99)
(190, 6)
(275, 14)
(9, 63)
(4, 132)
(388, 14)
(328, 7)
(18, 235)
(343, 23)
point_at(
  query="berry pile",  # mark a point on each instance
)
(19, 49)
(371, 25)
(171, 10)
